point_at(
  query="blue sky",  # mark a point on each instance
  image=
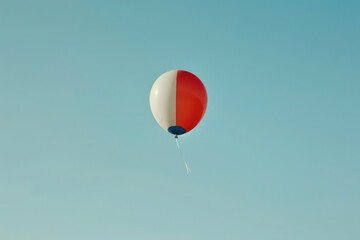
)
(275, 157)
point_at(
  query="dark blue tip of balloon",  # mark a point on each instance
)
(176, 130)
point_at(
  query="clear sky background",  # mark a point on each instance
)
(275, 157)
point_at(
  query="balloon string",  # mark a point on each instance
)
(188, 170)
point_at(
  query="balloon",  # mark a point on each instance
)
(178, 101)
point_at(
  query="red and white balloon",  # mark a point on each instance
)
(178, 101)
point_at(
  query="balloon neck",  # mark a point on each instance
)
(176, 130)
